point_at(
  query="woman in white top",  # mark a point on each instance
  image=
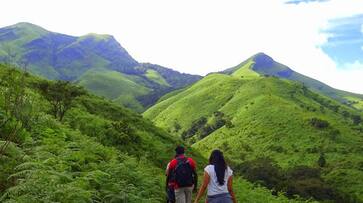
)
(218, 180)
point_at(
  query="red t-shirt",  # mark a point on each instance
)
(171, 166)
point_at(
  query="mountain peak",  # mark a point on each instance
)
(262, 59)
(262, 64)
(24, 24)
(98, 36)
(28, 26)
(31, 31)
(261, 54)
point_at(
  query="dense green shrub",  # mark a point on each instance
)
(196, 125)
(203, 128)
(307, 182)
(319, 123)
(357, 119)
(300, 180)
(263, 171)
(121, 133)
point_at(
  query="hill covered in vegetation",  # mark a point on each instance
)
(97, 62)
(59, 143)
(266, 66)
(276, 132)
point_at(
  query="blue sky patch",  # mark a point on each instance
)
(296, 2)
(345, 40)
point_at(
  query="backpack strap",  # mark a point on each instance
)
(181, 161)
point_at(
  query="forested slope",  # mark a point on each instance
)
(97, 152)
(58, 143)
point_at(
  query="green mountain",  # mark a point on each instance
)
(272, 129)
(97, 152)
(97, 62)
(265, 65)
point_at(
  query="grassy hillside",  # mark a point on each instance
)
(98, 152)
(254, 118)
(265, 65)
(103, 83)
(58, 56)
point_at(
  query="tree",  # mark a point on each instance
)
(60, 95)
(16, 104)
(319, 123)
(356, 119)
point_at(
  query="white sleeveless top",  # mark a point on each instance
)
(213, 187)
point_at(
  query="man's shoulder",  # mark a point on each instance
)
(190, 159)
(192, 162)
(172, 163)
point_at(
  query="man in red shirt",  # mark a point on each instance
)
(181, 177)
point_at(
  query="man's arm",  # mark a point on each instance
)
(195, 176)
(167, 176)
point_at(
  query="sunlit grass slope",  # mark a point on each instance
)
(265, 65)
(100, 152)
(268, 117)
(115, 86)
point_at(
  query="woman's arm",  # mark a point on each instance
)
(204, 186)
(230, 189)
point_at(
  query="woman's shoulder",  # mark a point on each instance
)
(209, 167)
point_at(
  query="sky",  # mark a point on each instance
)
(322, 39)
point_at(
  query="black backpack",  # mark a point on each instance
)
(183, 173)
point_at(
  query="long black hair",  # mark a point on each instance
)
(220, 166)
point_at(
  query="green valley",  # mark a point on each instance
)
(266, 123)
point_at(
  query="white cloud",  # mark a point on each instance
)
(205, 35)
(349, 77)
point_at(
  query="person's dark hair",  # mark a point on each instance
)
(220, 166)
(179, 150)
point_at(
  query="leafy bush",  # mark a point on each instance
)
(263, 171)
(196, 125)
(202, 128)
(319, 123)
(307, 182)
(357, 119)
(300, 180)
(121, 133)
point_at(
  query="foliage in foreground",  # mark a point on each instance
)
(99, 152)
